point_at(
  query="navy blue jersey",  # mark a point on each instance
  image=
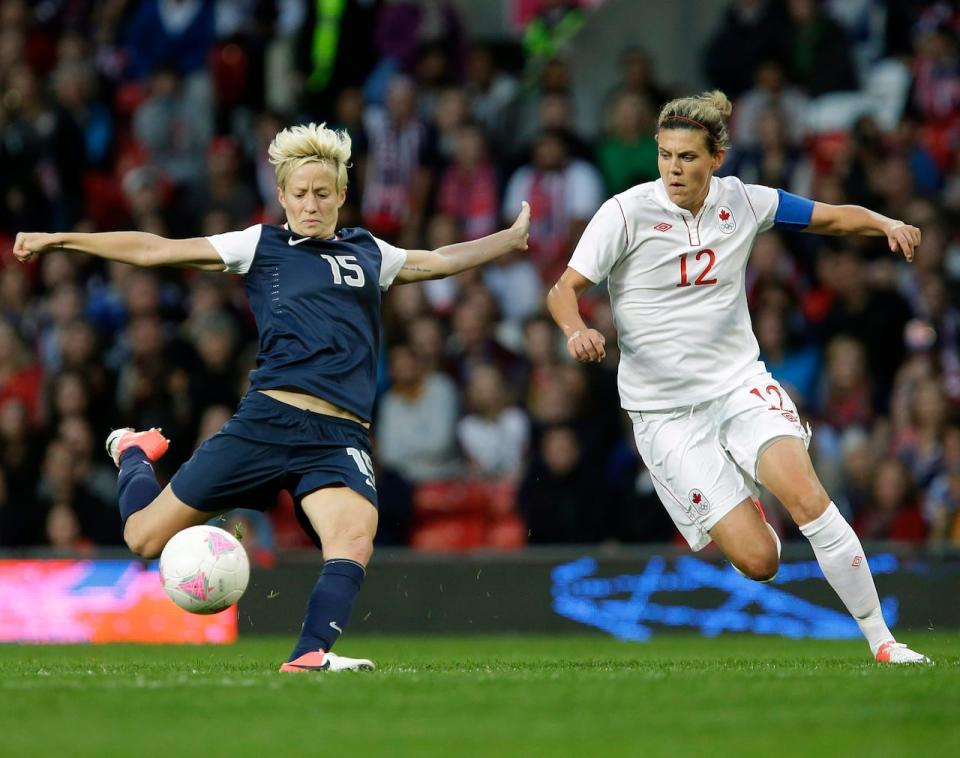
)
(317, 307)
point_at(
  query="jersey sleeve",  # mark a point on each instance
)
(392, 260)
(776, 208)
(763, 202)
(602, 244)
(237, 249)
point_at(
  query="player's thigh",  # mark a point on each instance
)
(762, 431)
(344, 520)
(696, 480)
(148, 530)
(786, 470)
(753, 416)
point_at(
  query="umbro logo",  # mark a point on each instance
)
(663, 226)
(292, 241)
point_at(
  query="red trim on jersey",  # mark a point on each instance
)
(626, 234)
(747, 195)
(690, 238)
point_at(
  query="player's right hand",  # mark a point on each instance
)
(587, 346)
(522, 226)
(30, 244)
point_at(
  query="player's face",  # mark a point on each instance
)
(311, 200)
(686, 166)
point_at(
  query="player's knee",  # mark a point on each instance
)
(809, 502)
(357, 545)
(760, 567)
(142, 543)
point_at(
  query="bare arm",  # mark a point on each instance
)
(452, 259)
(583, 343)
(854, 219)
(136, 248)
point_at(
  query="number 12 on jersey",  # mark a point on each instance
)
(702, 278)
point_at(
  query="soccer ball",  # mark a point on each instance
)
(204, 569)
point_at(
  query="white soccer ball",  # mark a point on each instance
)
(204, 569)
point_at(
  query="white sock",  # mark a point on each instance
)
(841, 558)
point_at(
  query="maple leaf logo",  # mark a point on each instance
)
(697, 497)
(724, 215)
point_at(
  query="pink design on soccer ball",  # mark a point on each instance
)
(195, 586)
(219, 544)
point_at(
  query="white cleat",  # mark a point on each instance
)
(318, 660)
(897, 652)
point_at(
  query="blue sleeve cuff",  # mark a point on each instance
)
(793, 212)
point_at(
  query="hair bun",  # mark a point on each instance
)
(720, 101)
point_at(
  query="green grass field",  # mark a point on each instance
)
(500, 696)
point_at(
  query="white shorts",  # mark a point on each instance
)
(703, 458)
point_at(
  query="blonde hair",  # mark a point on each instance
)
(310, 143)
(708, 111)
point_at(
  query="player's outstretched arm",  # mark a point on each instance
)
(583, 343)
(452, 259)
(136, 248)
(854, 219)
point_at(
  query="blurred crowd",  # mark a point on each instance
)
(155, 115)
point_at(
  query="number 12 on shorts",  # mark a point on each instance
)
(364, 463)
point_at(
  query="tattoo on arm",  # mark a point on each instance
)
(421, 269)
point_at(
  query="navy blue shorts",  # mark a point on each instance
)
(268, 446)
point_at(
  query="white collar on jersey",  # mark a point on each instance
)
(663, 199)
(292, 241)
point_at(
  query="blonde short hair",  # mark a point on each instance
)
(310, 143)
(708, 111)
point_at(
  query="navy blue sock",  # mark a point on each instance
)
(137, 485)
(329, 607)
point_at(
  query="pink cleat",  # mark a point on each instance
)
(319, 660)
(152, 442)
(897, 652)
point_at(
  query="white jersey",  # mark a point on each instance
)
(676, 285)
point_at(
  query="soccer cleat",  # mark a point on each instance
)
(897, 652)
(152, 442)
(318, 660)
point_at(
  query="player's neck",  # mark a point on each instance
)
(696, 206)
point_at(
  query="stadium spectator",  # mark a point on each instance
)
(467, 190)
(563, 192)
(638, 75)
(558, 496)
(771, 91)
(399, 170)
(818, 50)
(171, 128)
(417, 420)
(750, 32)
(494, 433)
(627, 154)
(893, 513)
(491, 93)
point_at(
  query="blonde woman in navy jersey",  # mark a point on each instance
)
(710, 422)
(304, 424)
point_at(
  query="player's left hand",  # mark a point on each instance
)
(587, 346)
(522, 226)
(903, 238)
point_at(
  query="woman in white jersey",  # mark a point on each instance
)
(710, 421)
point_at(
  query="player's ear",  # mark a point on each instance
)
(280, 197)
(342, 198)
(718, 158)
